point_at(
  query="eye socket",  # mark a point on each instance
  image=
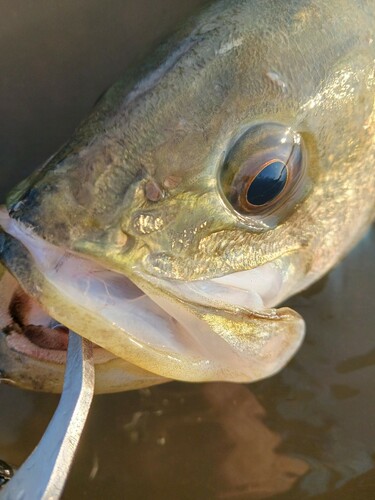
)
(264, 173)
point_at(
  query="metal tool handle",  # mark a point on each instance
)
(43, 474)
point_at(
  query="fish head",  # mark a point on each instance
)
(229, 173)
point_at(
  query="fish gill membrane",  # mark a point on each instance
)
(230, 171)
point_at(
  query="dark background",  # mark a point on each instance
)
(308, 432)
(57, 57)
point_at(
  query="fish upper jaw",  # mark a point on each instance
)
(217, 329)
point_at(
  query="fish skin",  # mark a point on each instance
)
(150, 153)
(214, 84)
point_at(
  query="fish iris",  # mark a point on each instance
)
(268, 184)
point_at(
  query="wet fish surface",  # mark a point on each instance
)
(228, 173)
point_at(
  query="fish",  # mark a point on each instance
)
(228, 172)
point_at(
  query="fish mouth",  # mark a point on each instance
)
(30, 331)
(224, 328)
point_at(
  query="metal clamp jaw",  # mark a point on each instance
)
(43, 474)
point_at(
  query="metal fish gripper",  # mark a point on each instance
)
(43, 475)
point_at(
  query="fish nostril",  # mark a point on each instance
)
(153, 191)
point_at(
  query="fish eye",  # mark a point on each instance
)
(267, 184)
(264, 172)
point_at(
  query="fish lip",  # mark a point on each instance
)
(279, 273)
(17, 342)
(190, 357)
(31, 366)
(265, 311)
(14, 328)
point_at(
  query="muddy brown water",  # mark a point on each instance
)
(308, 432)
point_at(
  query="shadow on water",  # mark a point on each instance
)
(307, 432)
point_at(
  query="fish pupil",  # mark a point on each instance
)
(268, 184)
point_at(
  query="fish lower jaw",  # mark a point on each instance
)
(24, 345)
(29, 331)
(218, 329)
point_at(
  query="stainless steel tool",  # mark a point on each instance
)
(43, 474)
